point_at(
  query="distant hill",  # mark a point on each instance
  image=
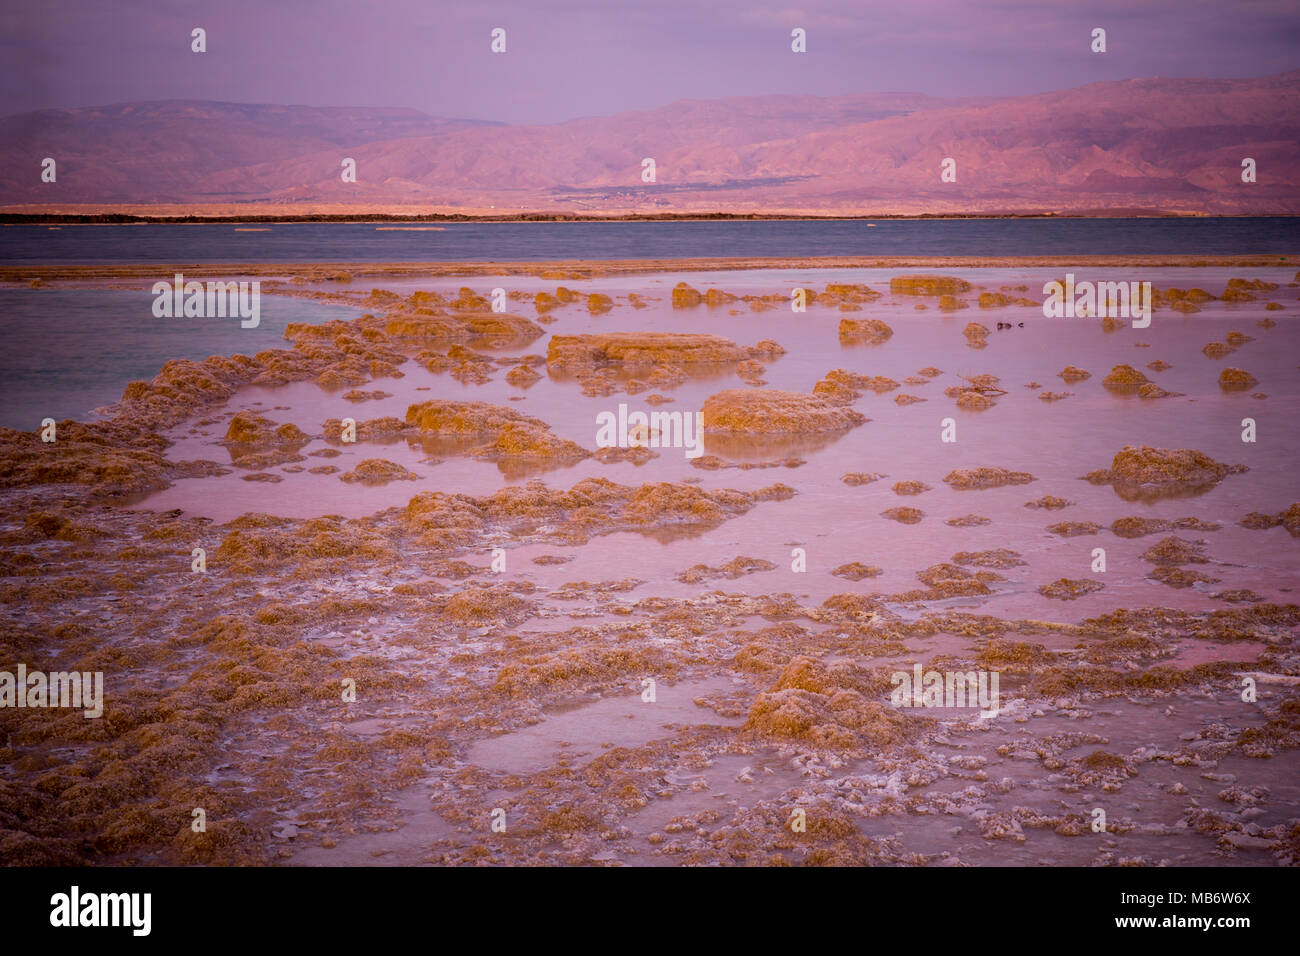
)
(1154, 145)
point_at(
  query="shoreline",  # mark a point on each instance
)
(123, 215)
(592, 268)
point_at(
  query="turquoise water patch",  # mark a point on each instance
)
(68, 352)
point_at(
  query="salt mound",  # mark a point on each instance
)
(669, 503)
(112, 458)
(761, 410)
(1289, 519)
(650, 348)
(856, 571)
(855, 478)
(1050, 502)
(735, 568)
(965, 479)
(252, 429)
(968, 521)
(903, 515)
(593, 506)
(377, 471)
(974, 400)
(1176, 577)
(523, 376)
(256, 442)
(1136, 527)
(872, 331)
(845, 292)
(927, 285)
(1071, 529)
(946, 579)
(448, 329)
(993, 558)
(1124, 376)
(516, 441)
(1175, 550)
(829, 707)
(469, 300)
(511, 435)
(1152, 390)
(1257, 285)
(1148, 473)
(444, 417)
(1234, 378)
(684, 296)
(1067, 589)
(1147, 465)
(910, 487)
(839, 379)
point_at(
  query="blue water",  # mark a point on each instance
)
(68, 352)
(528, 241)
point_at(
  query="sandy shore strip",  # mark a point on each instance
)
(592, 268)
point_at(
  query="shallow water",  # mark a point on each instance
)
(1057, 442)
(70, 351)
(581, 733)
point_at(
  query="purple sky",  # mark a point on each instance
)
(569, 58)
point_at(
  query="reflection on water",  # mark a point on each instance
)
(771, 447)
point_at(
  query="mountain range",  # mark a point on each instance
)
(1138, 146)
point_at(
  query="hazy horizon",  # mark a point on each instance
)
(377, 107)
(592, 61)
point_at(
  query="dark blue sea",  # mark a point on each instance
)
(531, 241)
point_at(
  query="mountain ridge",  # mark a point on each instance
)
(1172, 145)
